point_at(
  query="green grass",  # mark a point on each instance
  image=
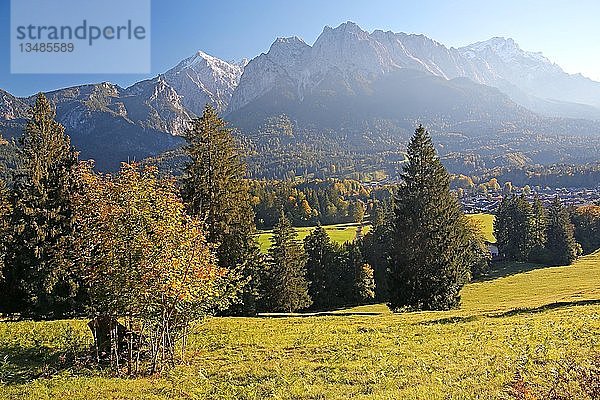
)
(531, 322)
(342, 233)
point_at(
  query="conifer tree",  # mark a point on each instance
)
(513, 228)
(539, 225)
(561, 243)
(39, 277)
(431, 242)
(287, 287)
(587, 227)
(5, 215)
(215, 190)
(357, 277)
(364, 284)
(320, 252)
(376, 247)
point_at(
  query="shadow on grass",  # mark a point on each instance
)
(545, 307)
(20, 365)
(512, 312)
(318, 314)
(451, 320)
(503, 269)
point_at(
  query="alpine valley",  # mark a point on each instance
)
(344, 106)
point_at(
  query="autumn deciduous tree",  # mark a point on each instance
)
(144, 259)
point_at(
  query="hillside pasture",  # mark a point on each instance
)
(527, 332)
(342, 233)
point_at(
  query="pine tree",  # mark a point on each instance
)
(513, 228)
(40, 280)
(287, 287)
(431, 247)
(215, 190)
(320, 252)
(561, 243)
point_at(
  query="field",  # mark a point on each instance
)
(347, 232)
(537, 323)
(486, 223)
(338, 233)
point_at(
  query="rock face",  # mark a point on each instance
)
(202, 79)
(11, 108)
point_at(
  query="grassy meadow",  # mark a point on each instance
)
(339, 233)
(342, 233)
(530, 327)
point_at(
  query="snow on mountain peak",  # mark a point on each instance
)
(202, 79)
(287, 49)
(505, 49)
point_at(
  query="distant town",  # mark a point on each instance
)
(473, 203)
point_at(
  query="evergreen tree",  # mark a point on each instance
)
(358, 280)
(5, 227)
(215, 190)
(375, 247)
(39, 276)
(539, 225)
(561, 243)
(431, 247)
(513, 228)
(377, 215)
(364, 284)
(320, 252)
(586, 220)
(287, 287)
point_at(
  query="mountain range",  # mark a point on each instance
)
(363, 90)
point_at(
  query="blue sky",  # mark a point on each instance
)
(567, 32)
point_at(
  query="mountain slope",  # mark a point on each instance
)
(528, 78)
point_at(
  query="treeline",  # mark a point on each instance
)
(315, 202)
(554, 176)
(546, 235)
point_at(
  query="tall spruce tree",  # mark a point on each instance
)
(561, 242)
(287, 287)
(513, 228)
(431, 246)
(214, 189)
(321, 253)
(39, 276)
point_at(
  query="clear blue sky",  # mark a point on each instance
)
(567, 32)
